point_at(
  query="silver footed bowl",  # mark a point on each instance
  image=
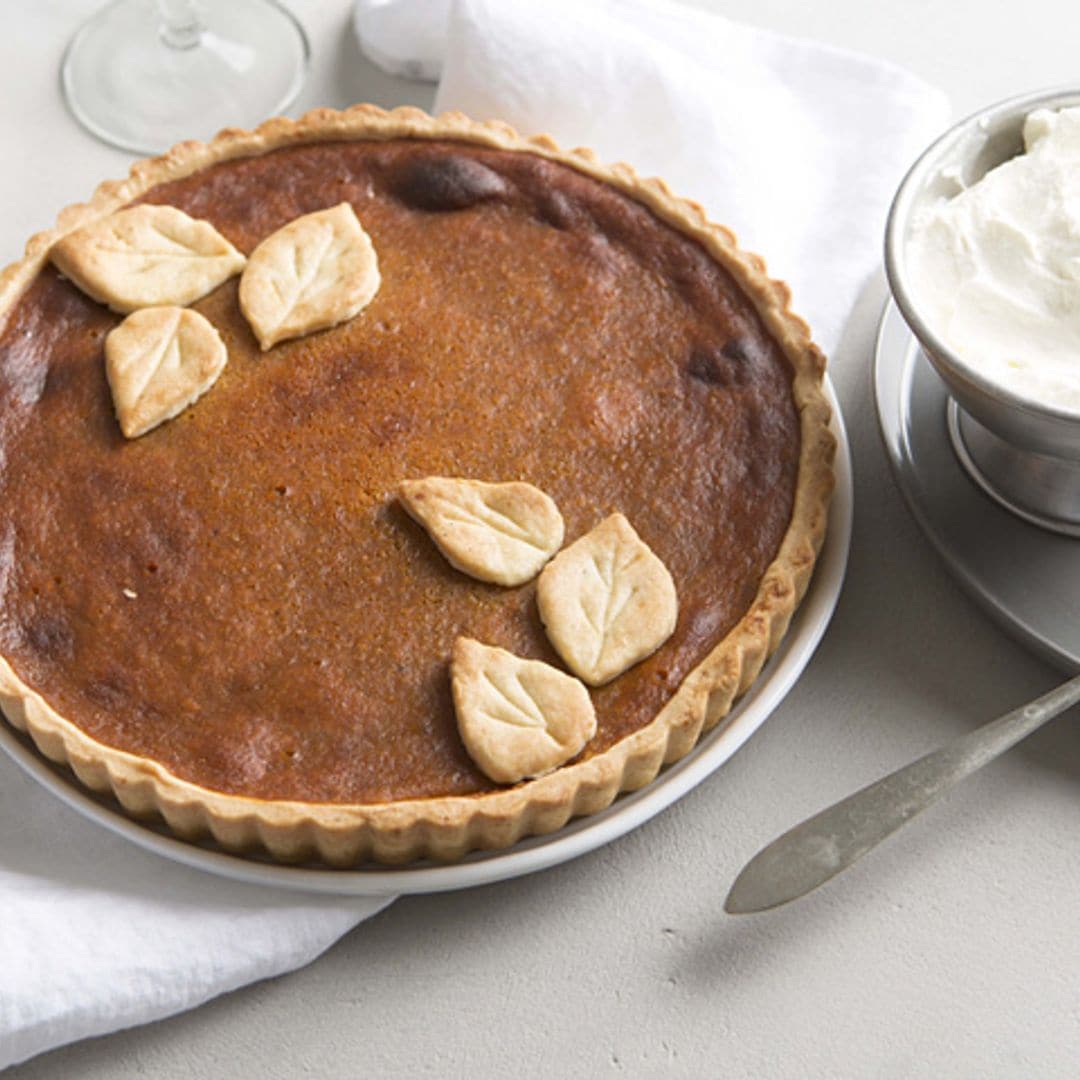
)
(1025, 454)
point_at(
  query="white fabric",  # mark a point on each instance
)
(96, 934)
(404, 37)
(795, 145)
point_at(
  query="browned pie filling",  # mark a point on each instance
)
(238, 596)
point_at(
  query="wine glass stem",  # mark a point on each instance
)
(181, 27)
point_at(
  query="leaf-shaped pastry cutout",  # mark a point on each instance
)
(518, 718)
(606, 601)
(158, 361)
(145, 257)
(315, 272)
(503, 533)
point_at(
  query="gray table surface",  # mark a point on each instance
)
(952, 952)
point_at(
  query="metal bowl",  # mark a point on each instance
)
(1025, 454)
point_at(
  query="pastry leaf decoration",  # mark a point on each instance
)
(158, 361)
(502, 533)
(313, 273)
(146, 256)
(606, 601)
(517, 718)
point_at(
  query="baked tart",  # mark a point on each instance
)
(232, 611)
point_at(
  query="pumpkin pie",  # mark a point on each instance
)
(233, 620)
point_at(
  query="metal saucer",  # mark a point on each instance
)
(1026, 577)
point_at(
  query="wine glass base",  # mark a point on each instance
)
(125, 84)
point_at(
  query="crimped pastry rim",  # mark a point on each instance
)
(446, 828)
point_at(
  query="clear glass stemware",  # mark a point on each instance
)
(144, 75)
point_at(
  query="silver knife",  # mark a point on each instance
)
(811, 853)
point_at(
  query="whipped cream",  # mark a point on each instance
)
(995, 270)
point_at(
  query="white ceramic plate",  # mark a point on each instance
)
(535, 853)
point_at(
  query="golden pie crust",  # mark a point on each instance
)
(446, 828)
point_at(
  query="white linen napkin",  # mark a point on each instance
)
(795, 145)
(98, 935)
